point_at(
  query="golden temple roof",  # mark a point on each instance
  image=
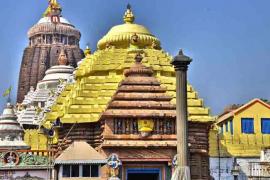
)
(121, 35)
(100, 74)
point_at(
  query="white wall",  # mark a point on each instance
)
(226, 165)
(7, 175)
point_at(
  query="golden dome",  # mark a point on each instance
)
(121, 36)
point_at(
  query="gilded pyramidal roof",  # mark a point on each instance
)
(100, 74)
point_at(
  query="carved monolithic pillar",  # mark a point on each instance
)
(180, 63)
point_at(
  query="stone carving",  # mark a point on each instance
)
(30, 159)
(114, 164)
(174, 161)
(27, 176)
(13, 158)
(265, 156)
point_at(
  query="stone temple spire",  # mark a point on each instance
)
(47, 38)
(11, 133)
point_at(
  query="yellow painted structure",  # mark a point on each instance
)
(234, 142)
(38, 141)
(99, 75)
(52, 4)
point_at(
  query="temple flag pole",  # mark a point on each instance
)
(7, 93)
(180, 63)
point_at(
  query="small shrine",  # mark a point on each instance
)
(11, 133)
(17, 160)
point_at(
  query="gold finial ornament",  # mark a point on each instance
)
(122, 36)
(87, 51)
(62, 60)
(54, 4)
(54, 7)
(129, 17)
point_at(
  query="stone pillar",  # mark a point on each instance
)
(180, 63)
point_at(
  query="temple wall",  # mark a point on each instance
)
(19, 174)
(37, 59)
(37, 140)
(226, 165)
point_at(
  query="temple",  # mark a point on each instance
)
(11, 133)
(123, 104)
(37, 102)
(46, 39)
(110, 114)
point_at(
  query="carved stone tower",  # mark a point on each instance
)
(46, 39)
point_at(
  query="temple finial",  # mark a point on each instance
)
(180, 52)
(87, 50)
(53, 9)
(128, 16)
(128, 6)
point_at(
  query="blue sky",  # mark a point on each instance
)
(228, 40)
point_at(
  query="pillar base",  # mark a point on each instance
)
(181, 173)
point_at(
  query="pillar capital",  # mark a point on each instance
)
(181, 61)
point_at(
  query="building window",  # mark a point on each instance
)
(66, 171)
(231, 126)
(71, 171)
(90, 170)
(75, 171)
(247, 125)
(94, 171)
(265, 125)
(226, 126)
(86, 170)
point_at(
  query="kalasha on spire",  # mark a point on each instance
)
(128, 16)
(87, 51)
(54, 11)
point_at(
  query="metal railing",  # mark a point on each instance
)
(259, 169)
(245, 139)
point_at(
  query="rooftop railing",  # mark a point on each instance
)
(259, 170)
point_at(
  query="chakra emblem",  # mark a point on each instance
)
(11, 158)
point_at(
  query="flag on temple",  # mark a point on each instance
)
(7, 92)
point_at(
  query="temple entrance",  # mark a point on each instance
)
(143, 174)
